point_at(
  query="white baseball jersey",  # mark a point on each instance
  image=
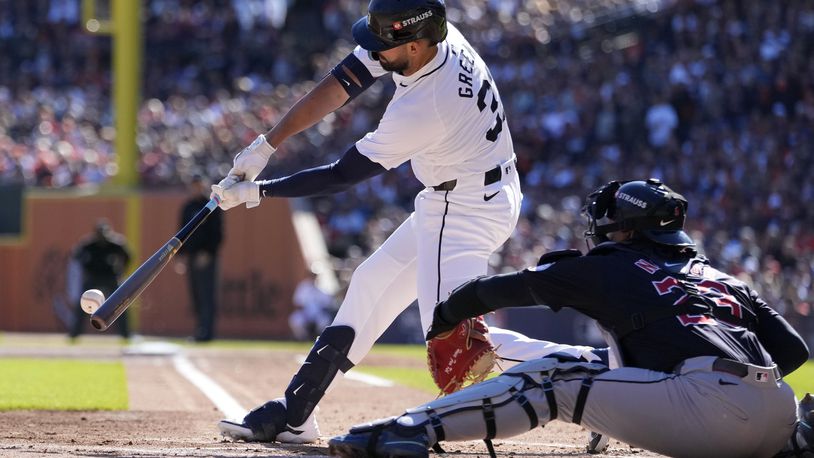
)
(446, 118)
(448, 121)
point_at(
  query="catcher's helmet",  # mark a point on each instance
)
(648, 207)
(391, 23)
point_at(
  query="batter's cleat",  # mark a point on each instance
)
(267, 423)
(597, 443)
(383, 439)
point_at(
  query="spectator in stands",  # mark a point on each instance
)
(577, 84)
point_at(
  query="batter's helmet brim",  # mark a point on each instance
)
(675, 238)
(366, 39)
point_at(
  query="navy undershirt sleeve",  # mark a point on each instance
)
(353, 167)
(784, 344)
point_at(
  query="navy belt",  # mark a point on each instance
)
(489, 177)
(730, 366)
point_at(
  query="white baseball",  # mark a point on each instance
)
(91, 300)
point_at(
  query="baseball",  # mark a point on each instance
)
(91, 300)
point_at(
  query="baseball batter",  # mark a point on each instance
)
(447, 119)
(702, 354)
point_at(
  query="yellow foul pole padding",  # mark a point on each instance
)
(126, 27)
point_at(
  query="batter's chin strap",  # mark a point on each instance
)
(328, 356)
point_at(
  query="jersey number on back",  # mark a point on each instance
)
(494, 131)
(711, 289)
(467, 79)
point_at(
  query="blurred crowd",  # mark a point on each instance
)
(716, 98)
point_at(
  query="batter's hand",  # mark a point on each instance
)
(251, 160)
(247, 192)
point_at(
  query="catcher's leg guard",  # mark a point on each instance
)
(516, 401)
(328, 355)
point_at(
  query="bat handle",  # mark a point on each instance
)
(196, 220)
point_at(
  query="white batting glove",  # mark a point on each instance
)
(252, 159)
(247, 192)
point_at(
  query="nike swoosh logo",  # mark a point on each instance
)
(489, 197)
(664, 223)
(346, 83)
(673, 264)
(724, 382)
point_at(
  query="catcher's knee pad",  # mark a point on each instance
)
(328, 355)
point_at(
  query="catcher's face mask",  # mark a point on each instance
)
(599, 209)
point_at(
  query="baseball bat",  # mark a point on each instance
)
(117, 303)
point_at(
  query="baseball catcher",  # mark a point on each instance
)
(701, 357)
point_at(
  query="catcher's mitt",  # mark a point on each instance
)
(462, 356)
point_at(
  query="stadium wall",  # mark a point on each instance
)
(260, 264)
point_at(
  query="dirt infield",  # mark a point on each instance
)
(169, 416)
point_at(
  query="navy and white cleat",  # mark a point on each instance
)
(267, 423)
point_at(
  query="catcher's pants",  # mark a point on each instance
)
(446, 241)
(703, 409)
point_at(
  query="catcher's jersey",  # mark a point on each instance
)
(615, 284)
(447, 118)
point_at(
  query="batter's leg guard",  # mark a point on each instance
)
(328, 356)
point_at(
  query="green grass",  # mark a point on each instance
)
(411, 377)
(61, 384)
(802, 380)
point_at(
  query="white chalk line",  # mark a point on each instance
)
(227, 404)
(220, 397)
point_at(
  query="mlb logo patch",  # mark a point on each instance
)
(761, 376)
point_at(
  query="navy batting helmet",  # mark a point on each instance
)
(648, 207)
(391, 23)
